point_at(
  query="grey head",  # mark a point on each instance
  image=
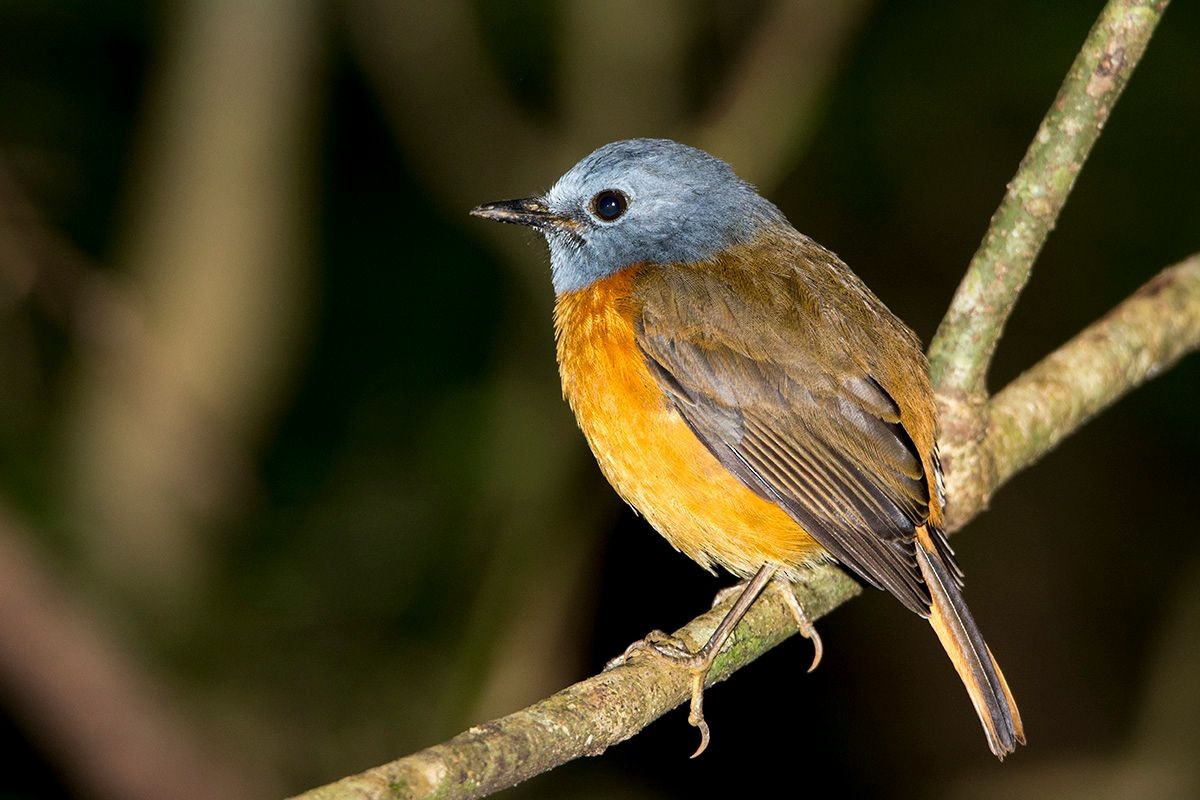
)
(639, 201)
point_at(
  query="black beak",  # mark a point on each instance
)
(531, 211)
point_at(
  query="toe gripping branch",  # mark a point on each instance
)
(699, 663)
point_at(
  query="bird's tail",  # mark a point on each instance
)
(970, 654)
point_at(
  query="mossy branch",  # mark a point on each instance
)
(986, 441)
(590, 716)
(1136, 341)
(962, 349)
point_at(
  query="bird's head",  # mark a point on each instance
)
(639, 201)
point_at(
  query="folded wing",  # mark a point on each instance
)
(795, 417)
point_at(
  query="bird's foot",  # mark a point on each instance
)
(699, 662)
(673, 649)
(658, 643)
(807, 629)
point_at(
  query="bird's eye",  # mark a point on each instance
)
(609, 204)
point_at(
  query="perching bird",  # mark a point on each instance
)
(749, 395)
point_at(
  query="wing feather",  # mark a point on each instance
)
(797, 419)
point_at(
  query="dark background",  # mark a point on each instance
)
(286, 485)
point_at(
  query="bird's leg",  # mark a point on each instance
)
(807, 629)
(701, 661)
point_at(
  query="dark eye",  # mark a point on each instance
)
(609, 204)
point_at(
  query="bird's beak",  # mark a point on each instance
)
(531, 211)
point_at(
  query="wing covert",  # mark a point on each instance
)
(797, 421)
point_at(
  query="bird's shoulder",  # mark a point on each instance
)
(785, 301)
(780, 330)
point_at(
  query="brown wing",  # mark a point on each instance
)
(771, 382)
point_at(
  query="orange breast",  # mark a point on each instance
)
(647, 451)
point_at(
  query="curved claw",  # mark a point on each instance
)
(670, 648)
(807, 629)
(704, 738)
(818, 646)
(696, 712)
(699, 662)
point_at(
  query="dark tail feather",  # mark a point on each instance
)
(970, 654)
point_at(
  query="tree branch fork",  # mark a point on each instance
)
(984, 441)
(1137, 340)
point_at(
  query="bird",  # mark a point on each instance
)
(750, 397)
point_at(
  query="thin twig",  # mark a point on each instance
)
(962, 348)
(966, 339)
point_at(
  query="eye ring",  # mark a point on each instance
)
(609, 205)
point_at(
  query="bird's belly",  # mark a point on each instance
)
(650, 455)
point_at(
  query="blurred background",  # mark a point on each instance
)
(287, 488)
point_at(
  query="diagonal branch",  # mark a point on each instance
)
(588, 717)
(1137, 340)
(962, 349)
(1140, 338)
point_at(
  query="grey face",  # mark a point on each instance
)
(639, 200)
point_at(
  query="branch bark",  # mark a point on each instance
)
(962, 349)
(1134, 342)
(1137, 340)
